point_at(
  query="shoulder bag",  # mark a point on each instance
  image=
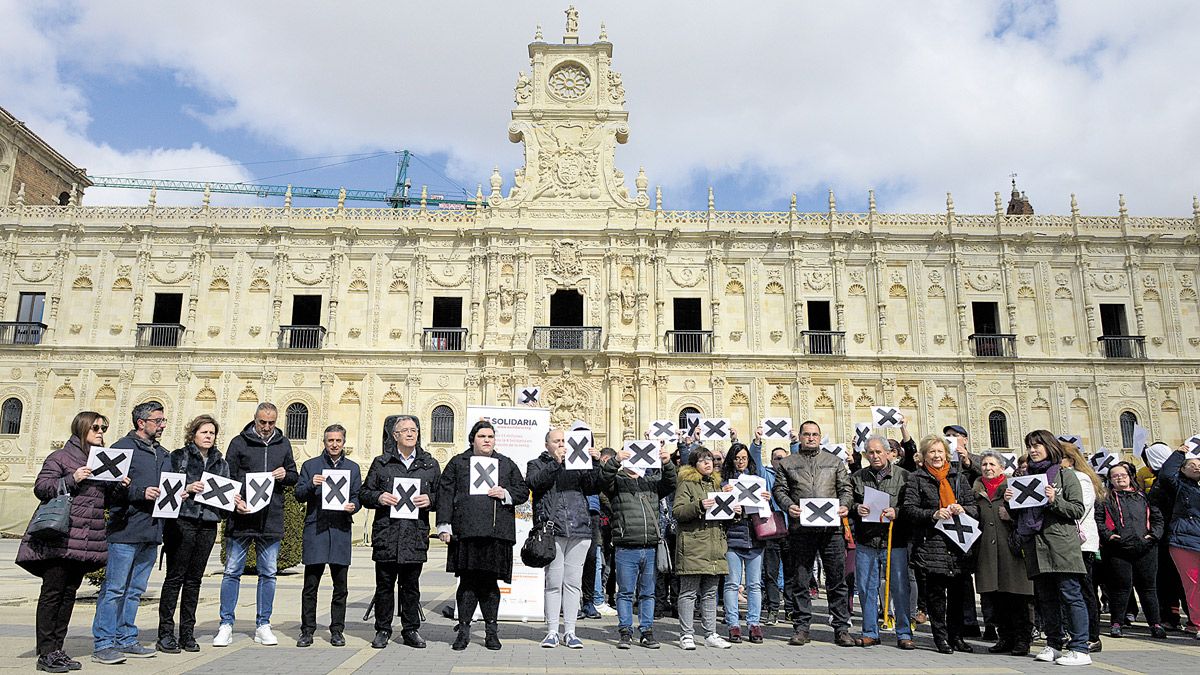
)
(538, 549)
(52, 520)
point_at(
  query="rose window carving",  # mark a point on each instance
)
(569, 81)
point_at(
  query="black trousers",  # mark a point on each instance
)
(56, 602)
(308, 600)
(1013, 616)
(772, 562)
(1124, 575)
(187, 544)
(478, 589)
(407, 577)
(1089, 596)
(942, 593)
(588, 583)
(831, 547)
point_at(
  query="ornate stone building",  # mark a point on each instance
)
(32, 172)
(622, 311)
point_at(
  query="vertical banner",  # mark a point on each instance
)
(520, 436)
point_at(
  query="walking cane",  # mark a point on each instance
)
(889, 617)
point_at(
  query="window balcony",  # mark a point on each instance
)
(689, 341)
(444, 339)
(572, 338)
(823, 342)
(1123, 346)
(993, 345)
(159, 334)
(21, 332)
(301, 337)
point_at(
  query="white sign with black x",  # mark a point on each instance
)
(714, 429)
(777, 428)
(663, 430)
(1103, 460)
(886, 416)
(749, 491)
(578, 450)
(335, 491)
(259, 488)
(109, 464)
(171, 488)
(406, 491)
(961, 529)
(1192, 446)
(818, 512)
(529, 395)
(485, 474)
(722, 508)
(218, 491)
(1028, 491)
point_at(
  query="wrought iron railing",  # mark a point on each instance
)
(999, 345)
(159, 334)
(824, 342)
(689, 341)
(21, 332)
(444, 339)
(1123, 346)
(301, 337)
(579, 338)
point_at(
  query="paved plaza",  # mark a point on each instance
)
(521, 653)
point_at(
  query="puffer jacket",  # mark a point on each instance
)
(87, 542)
(1129, 515)
(932, 551)
(560, 495)
(1057, 547)
(700, 544)
(247, 453)
(635, 519)
(872, 534)
(1184, 524)
(810, 475)
(739, 534)
(471, 515)
(193, 462)
(400, 540)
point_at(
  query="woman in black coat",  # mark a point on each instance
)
(481, 531)
(1130, 529)
(935, 491)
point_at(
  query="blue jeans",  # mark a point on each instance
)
(635, 569)
(598, 591)
(129, 567)
(752, 559)
(267, 556)
(868, 568)
(1064, 613)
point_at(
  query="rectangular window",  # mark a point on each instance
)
(168, 307)
(987, 317)
(1112, 320)
(31, 307)
(447, 312)
(687, 314)
(818, 315)
(306, 310)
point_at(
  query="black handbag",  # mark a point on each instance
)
(538, 549)
(52, 520)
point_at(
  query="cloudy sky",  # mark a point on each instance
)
(758, 99)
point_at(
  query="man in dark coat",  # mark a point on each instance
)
(400, 546)
(133, 538)
(259, 448)
(327, 534)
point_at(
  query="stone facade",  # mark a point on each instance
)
(32, 172)
(900, 292)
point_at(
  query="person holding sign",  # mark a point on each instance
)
(1053, 556)
(560, 498)
(700, 548)
(133, 538)
(937, 490)
(260, 448)
(1000, 574)
(327, 532)
(62, 561)
(1179, 479)
(877, 489)
(1130, 529)
(480, 528)
(188, 540)
(744, 555)
(400, 546)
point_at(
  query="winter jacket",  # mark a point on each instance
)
(932, 551)
(1184, 524)
(560, 495)
(399, 540)
(193, 462)
(700, 544)
(635, 499)
(873, 534)
(248, 453)
(133, 521)
(1087, 524)
(479, 515)
(1057, 547)
(327, 532)
(997, 568)
(739, 534)
(87, 540)
(908, 460)
(809, 475)
(1130, 515)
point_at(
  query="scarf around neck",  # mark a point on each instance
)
(945, 491)
(992, 485)
(1032, 519)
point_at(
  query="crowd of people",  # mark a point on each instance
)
(649, 539)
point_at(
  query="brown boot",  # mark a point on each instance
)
(799, 638)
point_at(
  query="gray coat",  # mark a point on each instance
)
(997, 569)
(327, 533)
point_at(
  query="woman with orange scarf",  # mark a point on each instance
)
(935, 491)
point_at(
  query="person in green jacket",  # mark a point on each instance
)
(700, 549)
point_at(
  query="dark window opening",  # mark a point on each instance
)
(818, 315)
(306, 310)
(64, 198)
(296, 422)
(1128, 422)
(441, 423)
(566, 308)
(683, 419)
(687, 314)
(168, 307)
(447, 312)
(987, 318)
(10, 422)
(998, 428)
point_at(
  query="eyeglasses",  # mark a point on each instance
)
(157, 420)
(100, 427)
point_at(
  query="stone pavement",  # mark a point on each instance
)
(521, 653)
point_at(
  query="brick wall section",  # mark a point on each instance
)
(42, 185)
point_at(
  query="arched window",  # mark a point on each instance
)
(683, 418)
(998, 429)
(1128, 422)
(11, 423)
(296, 424)
(442, 422)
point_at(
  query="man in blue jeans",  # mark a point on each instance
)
(635, 536)
(133, 539)
(259, 448)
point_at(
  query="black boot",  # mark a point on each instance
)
(464, 637)
(491, 638)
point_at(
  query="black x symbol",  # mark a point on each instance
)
(887, 416)
(405, 496)
(485, 475)
(662, 429)
(860, 436)
(578, 450)
(218, 491)
(959, 528)
(169, 495)
(1010, 462)
(1194, 442)
(642, 453)
(261, 490)
(716, 428)
(693, 425)
(747, 492)
(722, 504)
(820, 511)
(776, 429)
(108, 464)
(529, 396)
(1028, 490)
(335, 489)
(1103, 462)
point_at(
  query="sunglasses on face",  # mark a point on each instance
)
(100, 427)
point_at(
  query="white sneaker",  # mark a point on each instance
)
(1073, 658)
(1048, 655)
(605, 609)
(687, 643)
(716, 641)
(264, 636)
(224, 636)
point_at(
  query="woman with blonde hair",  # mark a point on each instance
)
(1093, 494)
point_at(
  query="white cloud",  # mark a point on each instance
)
(1094, 98)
